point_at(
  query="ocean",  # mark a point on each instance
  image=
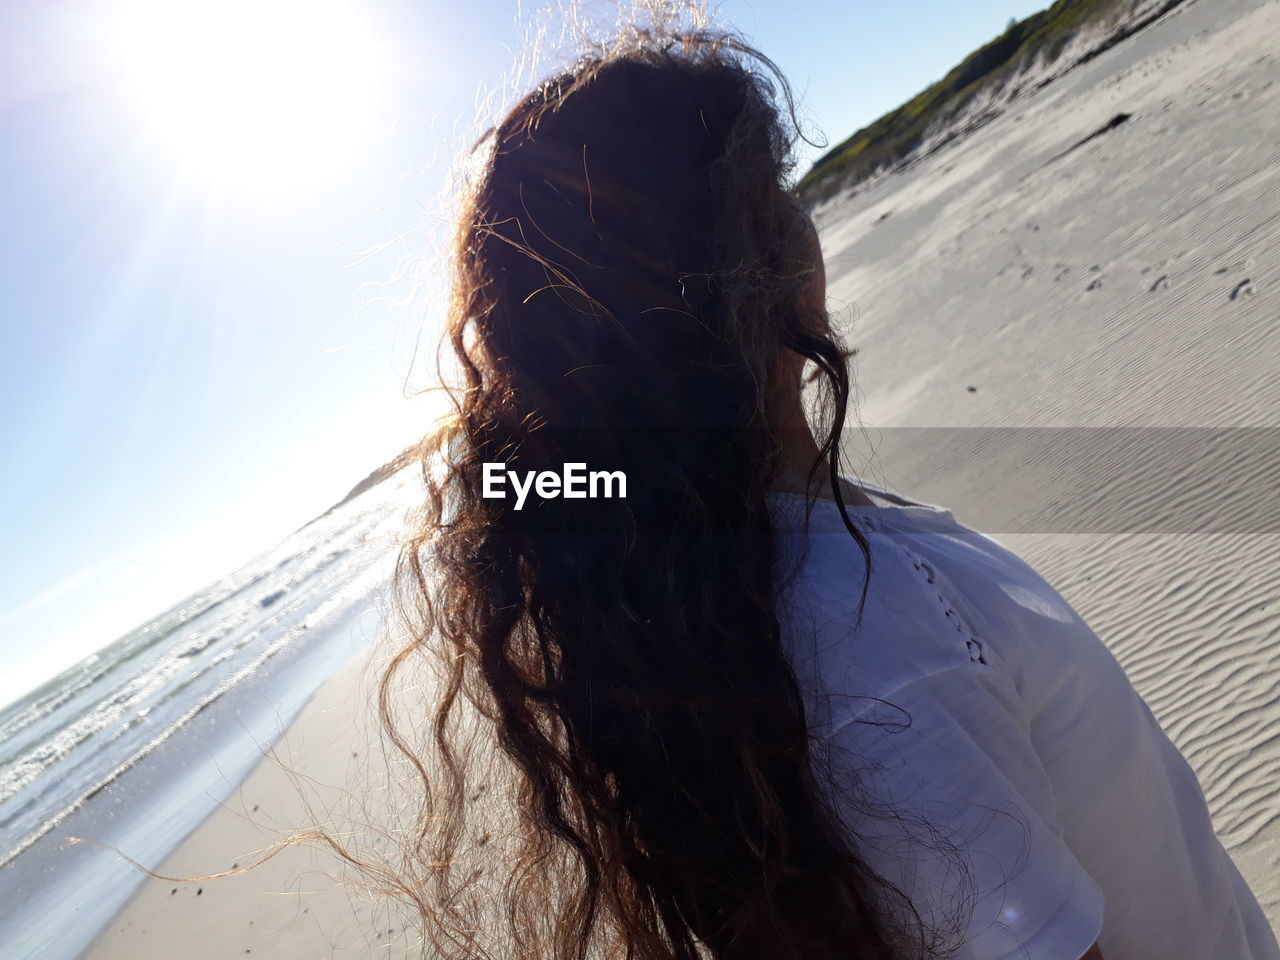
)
(134, 746)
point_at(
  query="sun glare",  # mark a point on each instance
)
(255, 96)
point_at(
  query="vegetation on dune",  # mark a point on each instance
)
(898, 134)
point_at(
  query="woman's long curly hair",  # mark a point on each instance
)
(629, 267)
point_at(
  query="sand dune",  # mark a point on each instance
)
(1032, 275)
(1079, 272)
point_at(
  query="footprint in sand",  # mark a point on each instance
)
(1095, 285)
(1243, 289)
(1161, 284)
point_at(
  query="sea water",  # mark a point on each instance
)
(137, 744)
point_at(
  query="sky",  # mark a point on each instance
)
(217, 289)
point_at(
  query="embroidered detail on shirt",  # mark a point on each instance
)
(928, 570)
(927, 573)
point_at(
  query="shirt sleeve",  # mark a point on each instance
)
(951, 804)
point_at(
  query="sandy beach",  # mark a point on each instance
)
(296, 903)
(1030, 275)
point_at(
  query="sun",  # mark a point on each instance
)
(255, 96)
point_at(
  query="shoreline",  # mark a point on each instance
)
(289, 905)
(59, 894)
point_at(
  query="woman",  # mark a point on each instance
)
(750, 708)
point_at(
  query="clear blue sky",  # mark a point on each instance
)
(198, 361)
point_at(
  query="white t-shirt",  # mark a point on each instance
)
(1032, 800)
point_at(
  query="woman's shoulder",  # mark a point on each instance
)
(969, 569)
(841, 640)
(940, 595)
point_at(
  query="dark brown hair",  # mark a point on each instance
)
(627, 272)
